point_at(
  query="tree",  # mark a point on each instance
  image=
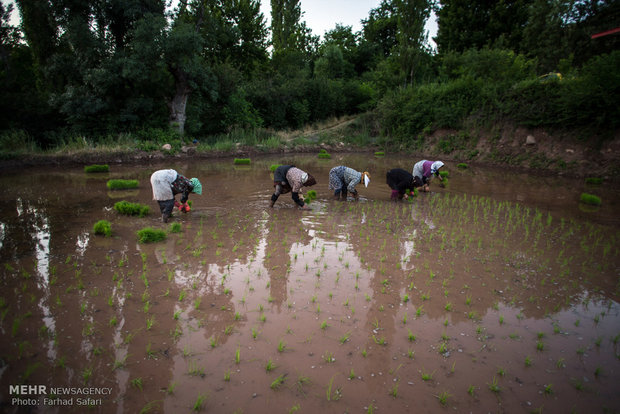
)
(411, 17)
(466, 24)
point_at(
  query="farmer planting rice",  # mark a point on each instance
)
(168, 183)
(290, 178)
(423, 172)
(400, 181)
(344, 179)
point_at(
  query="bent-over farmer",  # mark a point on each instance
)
(290, 178)
(343, 180)
(168, 183)
(423, 172)
(400, 181)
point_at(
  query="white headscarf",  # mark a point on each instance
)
(436, 166)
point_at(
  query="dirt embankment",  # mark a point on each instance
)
(519, 148)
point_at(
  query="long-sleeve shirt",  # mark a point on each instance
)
(423, 170)
(345, 175)
(182, 185)
(293, 176)
(399, 179)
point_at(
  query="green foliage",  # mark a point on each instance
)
(175, 228)
(103, 227)
(273, 167)
(323, 154)
(120, 184)
(462, 166)
(242, 161)
(310, 196)
(95, 168)
(131, 209)
(590, 199)
(150, 235)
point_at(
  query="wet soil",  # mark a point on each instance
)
(496, 293)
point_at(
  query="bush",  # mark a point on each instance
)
(150, 235)
(131, 209)
(242, 161)
(122, 184)
(103, 227)
(95, 168)
(590, 199)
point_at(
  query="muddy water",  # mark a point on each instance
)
(497, 293)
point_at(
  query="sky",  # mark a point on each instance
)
(323, 15)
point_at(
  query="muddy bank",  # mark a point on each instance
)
(533, 151)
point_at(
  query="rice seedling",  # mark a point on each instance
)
(227, 375)
(150, 235)
(119, 184)
(337, 394)
(548, 389)
(328, 357)
(275, 385)
(242, 161)
(590, 199)
(528, 361)
(194, 370)
(131, 209)
(137, 383)
(448, 307)
(324, 325)
(323, 154)
(87, 374)
(501, 372)
(379, 153)
(351, 374)
(443, 397)
(471, 390)
(103, 227)
(200, 400)
(462, 166)
(410, 336)
(273, 167)
(281, 346)
(270, 366)
(594, 180)
(540, 346)
(345, 337)
(427, 376)
(301, 381)
(394, 390)
(96, 168)
(493, 386)
(238, 356)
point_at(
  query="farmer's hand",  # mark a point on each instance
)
(177, 204)
(185, 208)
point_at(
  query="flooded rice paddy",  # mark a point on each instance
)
(497, 293)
